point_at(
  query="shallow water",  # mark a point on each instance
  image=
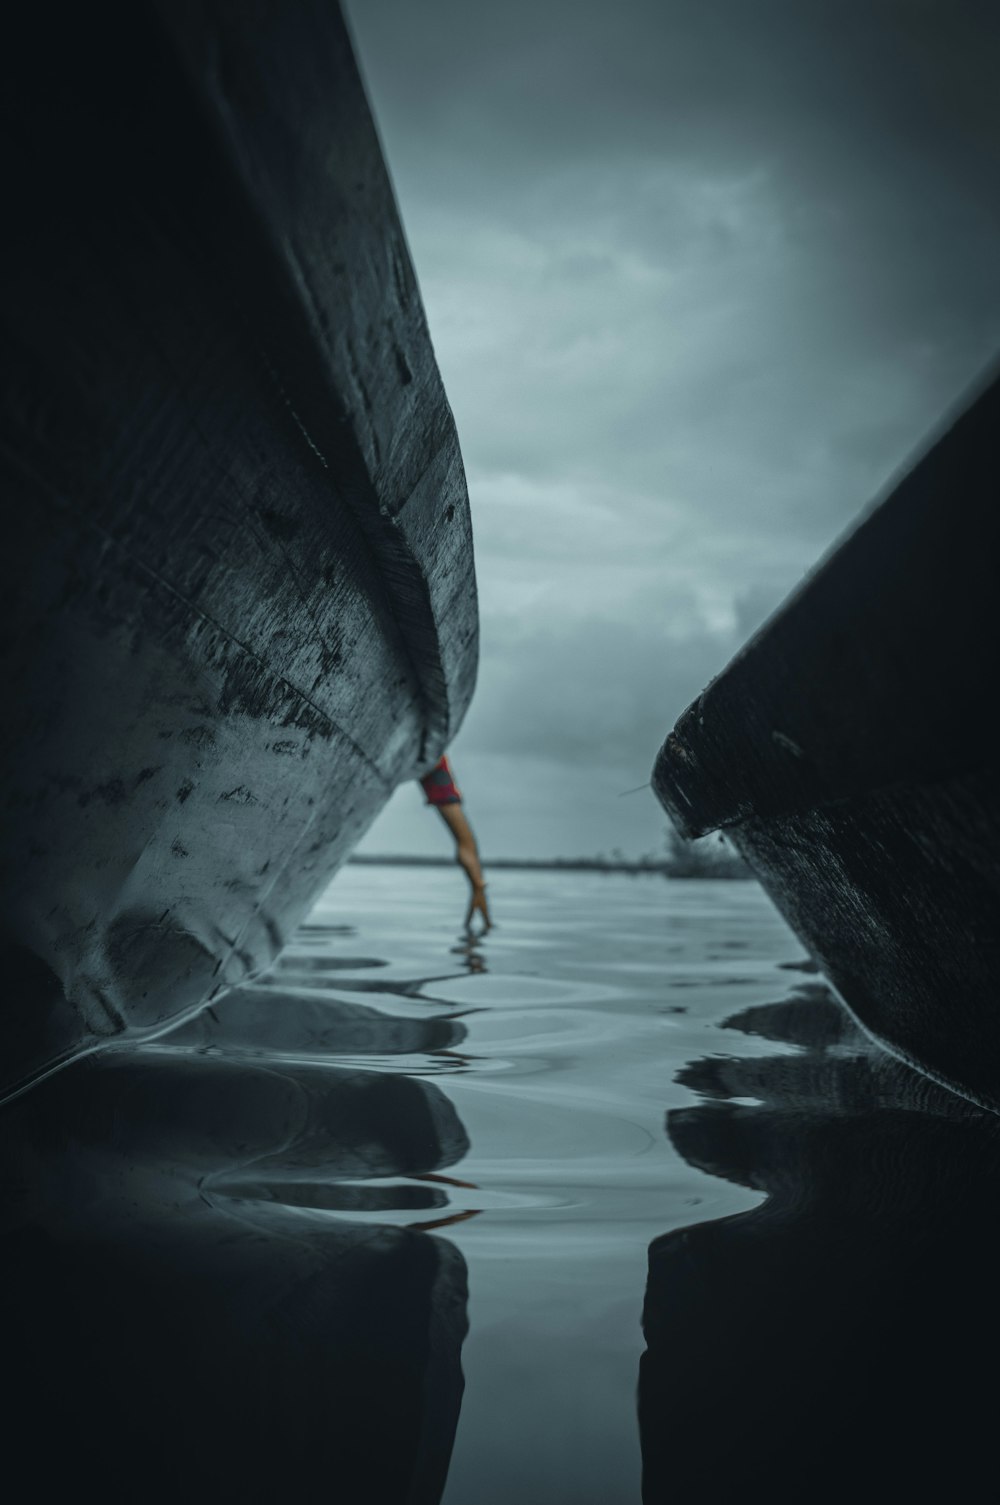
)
(270, 1245)
(595, 990)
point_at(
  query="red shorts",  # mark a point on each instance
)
(439, 785)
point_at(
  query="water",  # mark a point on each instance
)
(594, 990)
(391, 1222)
(665, 1107)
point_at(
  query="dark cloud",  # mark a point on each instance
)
(700, 277)
(596, 691)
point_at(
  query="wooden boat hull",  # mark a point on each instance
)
(848, 754)
(238, 589)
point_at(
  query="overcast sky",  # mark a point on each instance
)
(700, 275)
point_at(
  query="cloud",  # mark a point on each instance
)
(700, 278)
(594, 691)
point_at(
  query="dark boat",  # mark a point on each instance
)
(238, 579)
(848, 753)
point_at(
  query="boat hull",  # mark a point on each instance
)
(239, 592)
(848, 754)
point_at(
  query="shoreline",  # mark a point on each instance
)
(553, 865)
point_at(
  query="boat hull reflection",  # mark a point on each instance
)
(193, 1309)
(826, 1345)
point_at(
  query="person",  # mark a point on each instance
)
(442, 792)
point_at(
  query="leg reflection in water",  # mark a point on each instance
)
(826, 1346)
(187, 1314)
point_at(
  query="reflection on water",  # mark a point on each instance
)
(241, 1259)
(192, 1310)
(827, 1345)
(472, 950)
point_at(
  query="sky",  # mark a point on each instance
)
(701, 276)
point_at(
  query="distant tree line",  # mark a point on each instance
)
(706, 857)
